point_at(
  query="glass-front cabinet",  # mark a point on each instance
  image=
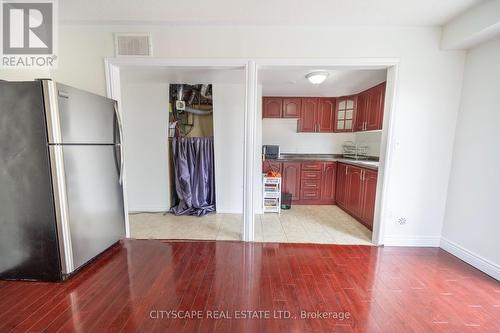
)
(344, 114)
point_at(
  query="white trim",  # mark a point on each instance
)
(137, 210)
(386, 150)
(112, 76)
(423, 241)
(471, 258)
(248, 229)
(113, 90)
(391, 64)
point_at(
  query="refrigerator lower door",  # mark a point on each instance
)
(94, 200)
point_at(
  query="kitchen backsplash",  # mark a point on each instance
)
(283, 132)
(371, 139)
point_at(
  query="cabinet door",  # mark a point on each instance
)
(368, 197)
(341, 188)
(328, 181)
(326, 115)
(375, 112)
(355, 186)
(361, 111)
(272, 107)
(291, 179)
(291, 107)
(308, 115)
(345, 111)
(271, 166)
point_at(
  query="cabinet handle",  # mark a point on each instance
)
(346, 171)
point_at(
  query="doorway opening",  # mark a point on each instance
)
(324, 144)
(183, 137)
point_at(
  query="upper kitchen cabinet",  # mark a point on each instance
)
(317, 114)
(370, 109)
(375, 116)
(272, 107)
(308, 121)
(291, 107)
(344, 114)
(281, 107)
(326, 115)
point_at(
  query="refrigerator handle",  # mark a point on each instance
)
(119, 122)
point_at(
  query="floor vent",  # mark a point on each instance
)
(133, 44)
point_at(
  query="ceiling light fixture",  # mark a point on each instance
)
(317, 77)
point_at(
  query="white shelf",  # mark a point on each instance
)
(271, 194)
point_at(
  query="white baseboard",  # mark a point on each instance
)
(411, 241)
(471, 258)
(148, 210)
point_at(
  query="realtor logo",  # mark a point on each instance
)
(28, 33)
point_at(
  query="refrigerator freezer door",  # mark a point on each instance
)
(28, 237)
(94, 199)
(79, 117)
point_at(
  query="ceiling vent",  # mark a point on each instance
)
(133, 44)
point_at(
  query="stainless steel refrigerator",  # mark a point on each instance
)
(61, 162)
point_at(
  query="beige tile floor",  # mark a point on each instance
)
(301, 224)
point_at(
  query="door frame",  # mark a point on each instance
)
(387, 144)
(112, 67)
(252, 153)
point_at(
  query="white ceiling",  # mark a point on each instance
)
(275, 81)
(264, 12)
(340, 82)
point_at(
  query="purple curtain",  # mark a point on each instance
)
(194, 175)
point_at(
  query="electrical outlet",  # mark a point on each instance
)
(401, 220)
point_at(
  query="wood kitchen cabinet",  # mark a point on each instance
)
(368, 197)
(326, 115)
(356, 189)
(355, 184)
(291, 179)
(281, 107)
(345, 113)
(291, 107)
(309, 182)
(341, 185)
(272, 107)
(317, 115)
(370, 109)
(308, 121)
(328, 182)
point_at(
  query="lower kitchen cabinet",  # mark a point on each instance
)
(291, 179)
(356, 189)
(309, 182)
(328, 183)
(368, 197)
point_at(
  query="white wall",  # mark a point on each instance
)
(370, 139)
(145, 130)
(472, 223)
(229, 111)
(283, 132)
(429, 83)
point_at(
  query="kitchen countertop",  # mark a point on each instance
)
(368, 163)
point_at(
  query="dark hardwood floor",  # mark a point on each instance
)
(140, 285)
